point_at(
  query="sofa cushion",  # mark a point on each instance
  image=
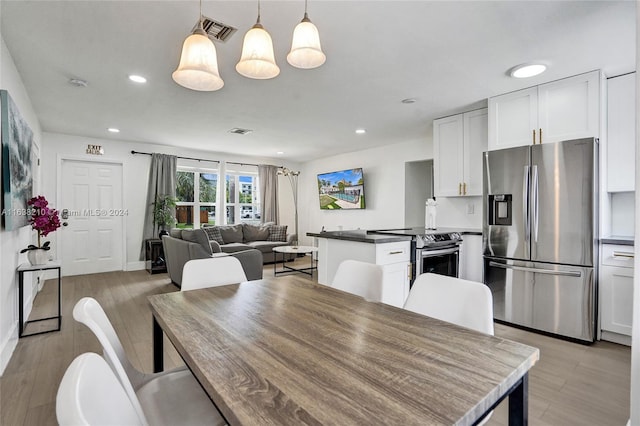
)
(176, 233)
(256, 232)
(234, 247)
(266, 246)
(197, 236)
(231, 233)
(277, 233)
(213, 233)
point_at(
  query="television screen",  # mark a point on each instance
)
(341, 190)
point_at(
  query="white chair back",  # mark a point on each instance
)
(212, 272)
(461, 302)
(89, 312)
(90, 394)
(360, 278)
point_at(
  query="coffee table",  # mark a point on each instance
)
(293, 250)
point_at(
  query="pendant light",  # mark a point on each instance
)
(306, 52)
(198, 69)
(257, 60)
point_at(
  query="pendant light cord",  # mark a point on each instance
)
(258, 21)
(201, 24)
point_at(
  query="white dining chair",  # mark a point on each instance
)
(166, 398)
(465, 303)
(212, 272)
(461, 302)
(360, 278)
(90, 394)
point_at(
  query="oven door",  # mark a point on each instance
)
(443, 261)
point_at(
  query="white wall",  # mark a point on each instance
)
(11, 242)
(622, 213)
(135, 177)
(384, 186)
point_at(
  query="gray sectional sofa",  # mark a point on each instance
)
(180, 246)
(263, 237)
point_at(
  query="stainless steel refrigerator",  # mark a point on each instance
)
(540, 228)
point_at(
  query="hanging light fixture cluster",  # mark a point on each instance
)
(198, 68)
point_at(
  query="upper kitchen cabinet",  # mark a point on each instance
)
(458, 144)
(621, 131)
(552, 112)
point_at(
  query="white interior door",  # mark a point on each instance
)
(92, 240)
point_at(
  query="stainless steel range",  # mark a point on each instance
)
(433, 250)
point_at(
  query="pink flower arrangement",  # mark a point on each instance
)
(43, 219)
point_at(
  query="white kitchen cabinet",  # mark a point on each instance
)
(458, 143)
(471, 261)
(393, 257)
(561, 110)
(621, 133)
(616, 292)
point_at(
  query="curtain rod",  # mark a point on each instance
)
(184, 158)
(200, 159)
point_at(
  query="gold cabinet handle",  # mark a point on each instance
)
(459, 189)
(464, 188)
(534, 136)
(541, 136)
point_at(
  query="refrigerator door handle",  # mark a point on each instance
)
(535, 203)
(576, 274)
(525, 208)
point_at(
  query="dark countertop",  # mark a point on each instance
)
(414, 231)
(617, 239)
(360, 236)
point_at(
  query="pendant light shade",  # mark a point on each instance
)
(306, 51)
(257, 60)
(198, 69)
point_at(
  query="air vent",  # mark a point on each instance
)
(216, 30)
(239, 131)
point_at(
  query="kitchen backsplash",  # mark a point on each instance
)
(459, 212)
(623, 213)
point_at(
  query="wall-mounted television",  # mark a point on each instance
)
(341, 190)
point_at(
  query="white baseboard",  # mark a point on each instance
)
(136, 266)
(8, 346)
(620, 339)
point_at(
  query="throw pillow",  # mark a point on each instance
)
(277, 233)
(213, 234)
(176, 233)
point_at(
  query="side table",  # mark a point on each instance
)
(291, 250)
(154, 256)
(26, 267)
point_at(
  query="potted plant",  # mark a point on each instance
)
(164, 213)
(44, 220)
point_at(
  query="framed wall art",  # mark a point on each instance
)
(17, 172)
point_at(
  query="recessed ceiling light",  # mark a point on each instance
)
(527, 70)
(137, 78)
(361, 131)
(409, 101)
(280, 152)
(113, 130)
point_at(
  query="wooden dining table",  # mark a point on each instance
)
(282, 351)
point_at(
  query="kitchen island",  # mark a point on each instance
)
(392, 252)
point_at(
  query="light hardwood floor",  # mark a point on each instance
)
(572, 384)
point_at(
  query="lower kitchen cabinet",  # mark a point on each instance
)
(471, 264)
(394, 257)
(616, 293)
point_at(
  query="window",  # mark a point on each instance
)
(197, 204)
(199, 198)
(242, 196)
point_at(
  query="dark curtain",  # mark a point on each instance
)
(162, 181)
(268, 176)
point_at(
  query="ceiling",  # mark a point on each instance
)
(448, 55)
